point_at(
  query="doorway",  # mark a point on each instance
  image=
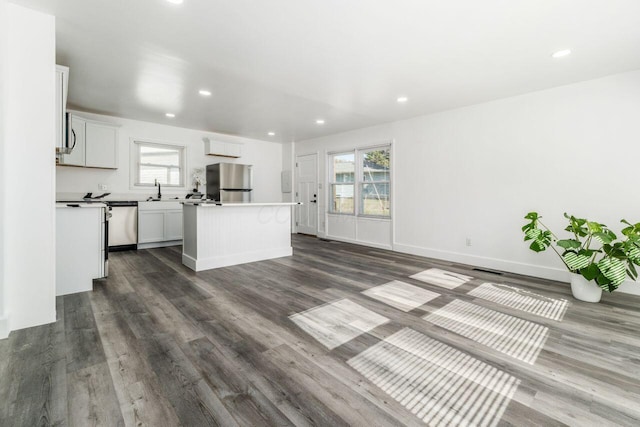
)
(307, 194)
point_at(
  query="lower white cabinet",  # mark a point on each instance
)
(159, 222)
(80, 255)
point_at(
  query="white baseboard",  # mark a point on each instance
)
(159, 244)
(558, 274)
(4, 327)
(355, 242)
(227, 260)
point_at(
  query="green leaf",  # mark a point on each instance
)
(575, 261)
(533, 233)
(588, 252)
(631, 271)
(594, 227)
(604, 238)
(569, 244)
(633, 253)
(613, 269)
(591, 272)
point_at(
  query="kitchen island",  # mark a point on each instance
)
(223, 234)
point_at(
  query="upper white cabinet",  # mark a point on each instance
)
(62, 81)
(96, 144)
(101, 149)
(222, 149)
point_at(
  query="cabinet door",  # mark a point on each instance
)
(77, 156)
(150, 226)
(233, 150)
(101, 146)
(173, 225)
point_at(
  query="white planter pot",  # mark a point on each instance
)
(585, 290)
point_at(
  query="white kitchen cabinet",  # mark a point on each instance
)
(80, 255)
(101, 145)
(96, 144)
(159, 224)
(222, 149)
(173, 225)
(150, 226)
(62, 82)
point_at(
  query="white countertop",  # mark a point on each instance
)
(80, 205)
(210, 204)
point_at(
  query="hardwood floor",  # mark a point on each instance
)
(307, 340)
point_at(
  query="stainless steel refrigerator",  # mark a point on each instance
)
(229, 182)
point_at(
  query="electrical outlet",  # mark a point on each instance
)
(102, 187)
(468, 241)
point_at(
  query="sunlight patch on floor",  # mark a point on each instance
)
(523, 300)
(436, 382)
(511, 335)
(401, 295)
(446, 279)
(336, 323)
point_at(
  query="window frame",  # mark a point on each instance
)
(137, 143)
(333, 182)
(359, 180)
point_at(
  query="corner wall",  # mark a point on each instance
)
(474, 172)
(4, 324)
(28, 142)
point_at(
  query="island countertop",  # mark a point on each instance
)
(209, 203)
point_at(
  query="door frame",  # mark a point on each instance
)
(317, 189)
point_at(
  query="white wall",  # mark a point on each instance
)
(28, 163)
(475, 172)
(4, 326)
(266, 158)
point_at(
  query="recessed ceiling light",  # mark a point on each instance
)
(561, 53)
(402, 99)
(176, 1)
(320, 121)
(271, 134)
(204, 92)
(170, 115)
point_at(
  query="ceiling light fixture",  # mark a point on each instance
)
(176, 1)
(402, 99)
(320, 121)
(271, 134)
(204, 92)
(170, 115)
(561, 53)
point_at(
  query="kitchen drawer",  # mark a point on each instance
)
(159, 206)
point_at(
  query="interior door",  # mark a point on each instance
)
(307, 194)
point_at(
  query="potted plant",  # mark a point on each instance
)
(594, 254)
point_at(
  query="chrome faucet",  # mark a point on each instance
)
(157, 184)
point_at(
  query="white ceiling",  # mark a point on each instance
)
(278, 65)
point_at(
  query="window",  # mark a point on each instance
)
(371, 188)
(374, 181)
(159, 162)
(342, 184)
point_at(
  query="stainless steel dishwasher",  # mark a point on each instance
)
(123, 226)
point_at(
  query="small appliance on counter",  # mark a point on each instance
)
(229, 182)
